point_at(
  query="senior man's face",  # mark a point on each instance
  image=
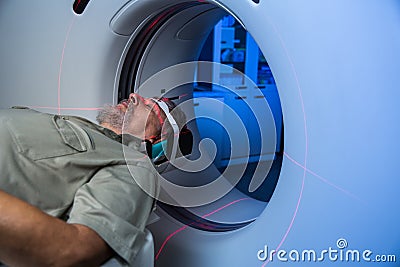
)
(136, 115)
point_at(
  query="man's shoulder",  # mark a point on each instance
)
(22, 114)
(17, 109)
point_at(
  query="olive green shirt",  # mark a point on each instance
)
(80, 172)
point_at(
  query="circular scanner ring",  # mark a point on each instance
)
(187, 196)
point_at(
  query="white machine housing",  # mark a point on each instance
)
(336, 65)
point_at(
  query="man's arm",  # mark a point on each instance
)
(30, 237)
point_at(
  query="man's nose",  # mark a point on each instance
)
(133, 97)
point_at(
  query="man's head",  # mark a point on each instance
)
(141, 117)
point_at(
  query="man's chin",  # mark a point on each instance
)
(111, 115)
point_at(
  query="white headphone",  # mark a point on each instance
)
(174, 126)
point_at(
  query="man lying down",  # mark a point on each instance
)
(67, 196)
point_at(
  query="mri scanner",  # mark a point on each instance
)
(336, 66)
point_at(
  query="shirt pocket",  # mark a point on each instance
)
(49, 137)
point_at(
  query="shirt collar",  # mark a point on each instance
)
(133, 142)
(126, 139)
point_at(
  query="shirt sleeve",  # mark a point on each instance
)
(114, 205)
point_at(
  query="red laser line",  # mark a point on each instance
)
(293, 68)
(61, 66)
(168, 238)
(186, 226)
(322, 178)
(59, 108)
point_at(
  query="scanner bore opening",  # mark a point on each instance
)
(136, 61)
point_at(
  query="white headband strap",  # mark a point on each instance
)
(174, 126)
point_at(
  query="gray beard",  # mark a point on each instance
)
(111, 115)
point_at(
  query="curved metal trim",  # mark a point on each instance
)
(138, 47)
